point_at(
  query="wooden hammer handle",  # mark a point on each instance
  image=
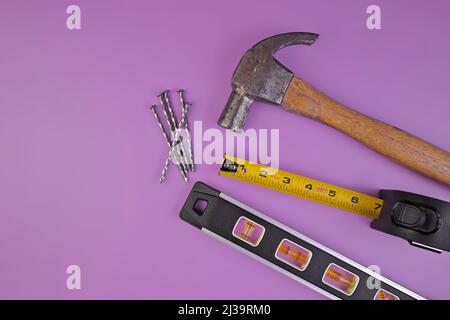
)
(410, 151)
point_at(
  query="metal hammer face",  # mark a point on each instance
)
(260, 77)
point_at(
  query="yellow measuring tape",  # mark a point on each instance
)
(302, 187)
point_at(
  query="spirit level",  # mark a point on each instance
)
(421, 220)
(284, 249)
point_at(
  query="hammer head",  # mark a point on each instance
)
(259, 76)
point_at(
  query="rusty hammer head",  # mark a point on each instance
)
(260, 77)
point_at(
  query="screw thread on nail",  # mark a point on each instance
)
(185, 107)
(188, 137)
(169, 144)
(170, 117)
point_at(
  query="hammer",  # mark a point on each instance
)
(259, 76)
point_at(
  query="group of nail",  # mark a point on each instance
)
(178, 140)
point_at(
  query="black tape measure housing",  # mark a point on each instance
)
(422, 221)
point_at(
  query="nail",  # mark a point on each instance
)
(166, 138)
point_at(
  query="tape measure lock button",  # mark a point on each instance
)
(415, 217)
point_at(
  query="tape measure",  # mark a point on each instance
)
(302, 187)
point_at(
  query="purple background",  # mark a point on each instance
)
(81, 154)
